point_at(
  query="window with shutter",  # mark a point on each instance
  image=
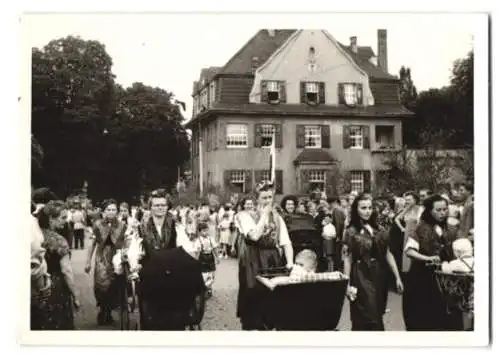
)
(317, 180)
(300, 140)
(273, 92)
(266, 132)
(352, 94)
(346, 136)
(357, 181)
(312, 93)
(263, 92)
(236, 136)
(341, 97)
(313, 136)
(325, 136)
(355, 137)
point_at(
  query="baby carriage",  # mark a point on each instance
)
(313, 302)
(165, 292)
(304, 235)
(171, 291)
(457, 290)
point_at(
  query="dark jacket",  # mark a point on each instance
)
(153, 241)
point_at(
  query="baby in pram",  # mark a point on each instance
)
(464, 262)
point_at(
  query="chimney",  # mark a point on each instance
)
(271, 32)
(354, 44)
(382, 48)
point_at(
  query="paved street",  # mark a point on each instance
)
(221, 308)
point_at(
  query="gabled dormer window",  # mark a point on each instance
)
(351, 94)
(312, 93)
(273, 92)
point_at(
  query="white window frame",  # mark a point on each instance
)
(273, 86)
(307, 130)
(351, 93)
(357, 181)
(267, 127)
(240, 134)
(238, 177)
(317, 177)
(312, 88)
(355, 139)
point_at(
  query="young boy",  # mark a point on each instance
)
(207, 249)
(329, 235)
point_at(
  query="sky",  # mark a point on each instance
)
(169, 50)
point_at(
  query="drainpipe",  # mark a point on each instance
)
(200, 152)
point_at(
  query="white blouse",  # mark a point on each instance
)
(247, 224)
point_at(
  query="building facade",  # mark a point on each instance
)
(334, 109)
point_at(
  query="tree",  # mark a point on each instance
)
(144, 133)
(444, 118)
(72, 85)
(407, 91)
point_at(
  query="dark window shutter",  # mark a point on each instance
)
(303, 92)
(346, 136)
(366, 137)
(263, 92)
(304, 181)
(341, 94)
(301, 136)
(257, 176)
(330, 183)
(258, 139)
(325, 136)
(278, 130)
(367, 181)
(248, 181)
(360, 93)
(322, 99)
(282, 92)
(279, 181)
(227, 179)
(222, 136)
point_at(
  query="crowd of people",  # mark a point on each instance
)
(378, 244)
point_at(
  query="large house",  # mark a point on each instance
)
(334, 109)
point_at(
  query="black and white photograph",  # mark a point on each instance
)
(200, 173)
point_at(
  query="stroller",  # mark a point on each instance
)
(312, 304)
(171, 291)
(304, 235)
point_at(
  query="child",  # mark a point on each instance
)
(207, 249)
(306, 261)
(329, 234)
(464, 262)
(225, 235)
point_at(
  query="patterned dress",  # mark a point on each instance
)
(56, 312)
(109, 238)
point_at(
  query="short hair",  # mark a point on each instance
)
(43, 195)
(309, 258)
(124, 204)
(413, 195)
(109, 202)
(159, 194)
(202, 226)
(264, 186)
(51, 210)
(468, 185)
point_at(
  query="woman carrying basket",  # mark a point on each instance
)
(265, 237)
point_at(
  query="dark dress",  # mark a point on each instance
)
(56, 312)
(109, 238)
(258, 255)
(369, 276)
(423, 306)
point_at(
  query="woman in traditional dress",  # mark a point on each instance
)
(265, 237)
(108, 237)
(430, 242)
(58, 310)
(366, 257)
